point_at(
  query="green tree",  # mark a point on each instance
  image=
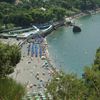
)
(9, 57)
(10, 89)
(22, 19)
(9, 1)
(92, 80)
(41, 16)
(69, 87)
(59, 13)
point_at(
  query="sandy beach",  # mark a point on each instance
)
(32, 71)
(26, 73)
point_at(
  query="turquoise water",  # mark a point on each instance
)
(71, 52)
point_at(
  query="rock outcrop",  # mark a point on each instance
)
(76, 29)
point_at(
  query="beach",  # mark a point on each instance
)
(33, 71)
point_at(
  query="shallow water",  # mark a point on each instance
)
(71, 52)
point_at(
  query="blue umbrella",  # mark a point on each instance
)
(32, 52)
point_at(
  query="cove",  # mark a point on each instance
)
(71, 52)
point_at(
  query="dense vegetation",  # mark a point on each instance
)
(28, 12)
(10, 90)
(69, 87)
(9, 57)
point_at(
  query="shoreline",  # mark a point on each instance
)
(60, 23)
(82, 14)
(31, 70)
(37, 67)
(50, 61)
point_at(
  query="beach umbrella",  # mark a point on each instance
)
(43, 57)
(46, 62)
(44, 98)
(37, 97)
(34, 93)
(32, 51)
(31, 85)
(40, 51)
(37, 73)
